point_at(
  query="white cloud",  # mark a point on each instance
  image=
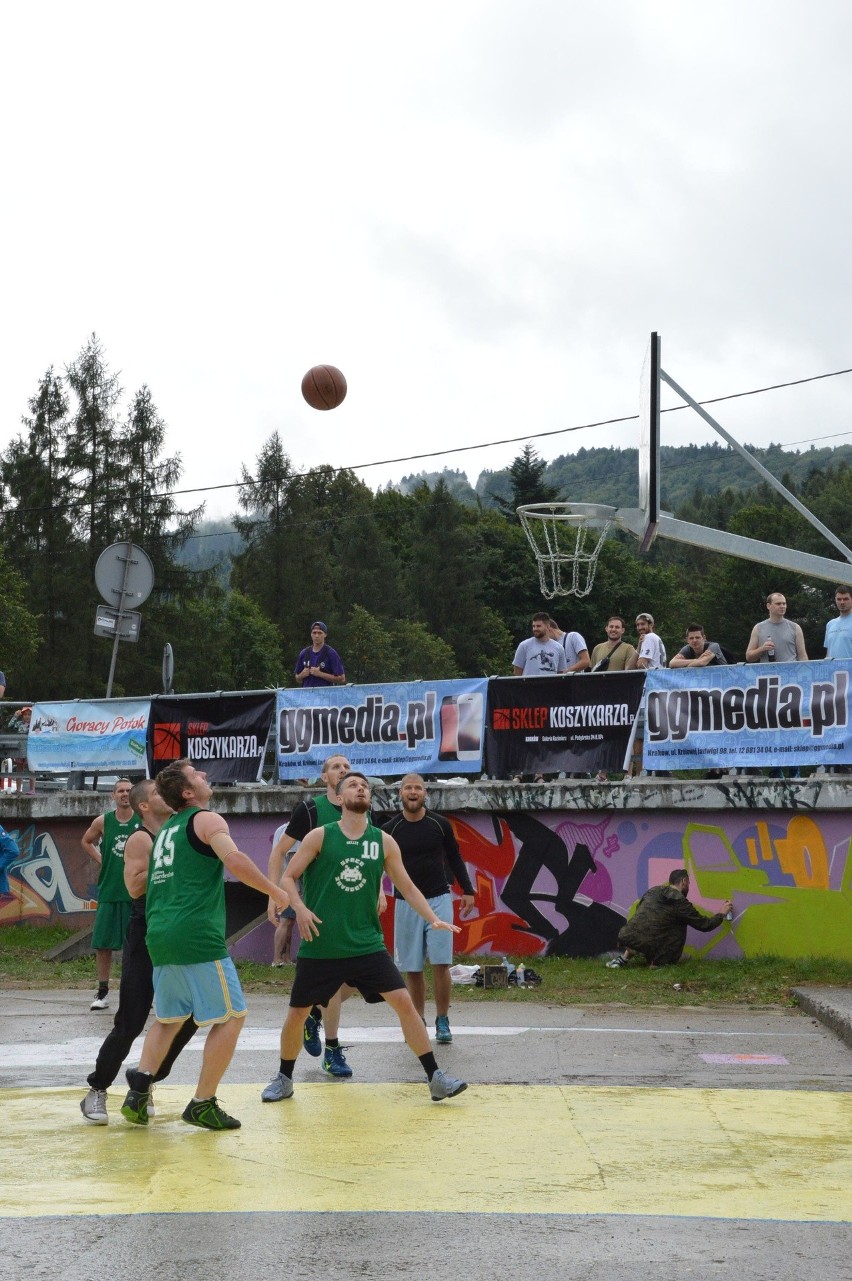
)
(477, 210)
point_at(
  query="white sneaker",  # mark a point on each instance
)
(443, 1086)
(100, 1002)
(94, 1108)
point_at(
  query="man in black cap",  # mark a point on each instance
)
(318, 663)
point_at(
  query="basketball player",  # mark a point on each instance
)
(193, 973)
(104, 841)
(136, 993)
(342, 865)
(308, 815)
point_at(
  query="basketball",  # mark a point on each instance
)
(324, 387)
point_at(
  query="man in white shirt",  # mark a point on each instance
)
(539, 655)
(650, 653)
(576, 650)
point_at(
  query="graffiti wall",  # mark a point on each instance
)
(563, 884)
(558, 883)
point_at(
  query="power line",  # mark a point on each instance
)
(559, 431)
(509, 440)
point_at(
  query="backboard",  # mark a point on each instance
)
(649, 441)
(557, 532)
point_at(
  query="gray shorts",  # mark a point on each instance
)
(414, 940)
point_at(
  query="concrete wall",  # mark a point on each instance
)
(556, 867)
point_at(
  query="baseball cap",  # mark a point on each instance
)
(319, 623)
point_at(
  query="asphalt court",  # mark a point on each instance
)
(707, 1125)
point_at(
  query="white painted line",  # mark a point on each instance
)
(83, 1050)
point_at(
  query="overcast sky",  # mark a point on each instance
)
(478, 211)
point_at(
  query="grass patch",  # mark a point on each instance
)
(758, 981)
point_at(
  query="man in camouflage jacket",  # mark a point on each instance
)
(657, 929)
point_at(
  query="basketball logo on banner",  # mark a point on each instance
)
(166, 742)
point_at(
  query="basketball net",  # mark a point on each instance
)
(566, 544)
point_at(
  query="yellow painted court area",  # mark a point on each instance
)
(763, 1154)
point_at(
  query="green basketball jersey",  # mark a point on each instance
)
(326, 811)
(111, 887)
(342, 886)
(185, 904)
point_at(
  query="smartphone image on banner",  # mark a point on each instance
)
(469, 726)
(449, 721)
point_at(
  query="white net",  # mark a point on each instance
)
(567, 542)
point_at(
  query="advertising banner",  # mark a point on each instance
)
(100, 735)
(222, 734)
(428, 727)
(546, 724)
(766, 715)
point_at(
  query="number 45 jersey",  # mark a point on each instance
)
(341, 886)
(185, 905)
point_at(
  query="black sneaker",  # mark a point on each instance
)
(207, 1114)
(311, 1036)
(135, 1107)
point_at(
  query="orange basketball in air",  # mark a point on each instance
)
(324, 387)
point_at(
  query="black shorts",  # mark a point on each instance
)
(316, 980)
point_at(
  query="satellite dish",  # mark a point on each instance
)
(124, 575)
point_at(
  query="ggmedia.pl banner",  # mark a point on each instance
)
(755, 714)
(427, 727)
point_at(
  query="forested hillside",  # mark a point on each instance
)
(610, 475)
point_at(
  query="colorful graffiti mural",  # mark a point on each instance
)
(558, 883)
(43, 877)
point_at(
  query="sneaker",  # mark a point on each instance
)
(616, 962)
(280, 1087)
(313, 1044)
(443, 1035)
(445, 1087)
(334, 1062)
(207, 1114)
(94, 1108)
(128, 1074)
(135, 1107)
(100, 1002)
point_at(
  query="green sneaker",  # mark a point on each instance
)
(443, 1035)
(135, 1107)
(207, 1114)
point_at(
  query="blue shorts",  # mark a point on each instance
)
(210, 992)
(414, 940)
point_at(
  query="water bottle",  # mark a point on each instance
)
(770, 654)
(519, 975)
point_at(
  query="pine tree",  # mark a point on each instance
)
(526, 476)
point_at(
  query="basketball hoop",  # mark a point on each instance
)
(567, 539)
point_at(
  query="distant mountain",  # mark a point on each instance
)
(456, 481)
(210, 547)
(610, 475)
